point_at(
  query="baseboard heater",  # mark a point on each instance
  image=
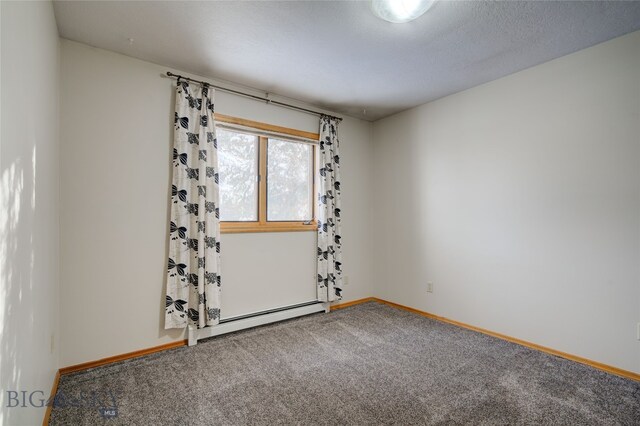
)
(241, 322)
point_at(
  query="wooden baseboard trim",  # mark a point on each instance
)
(600, 366)
(143, 352)
(122, 357)
(352, 303)
(54, 390)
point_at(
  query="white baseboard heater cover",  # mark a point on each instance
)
(242, 322)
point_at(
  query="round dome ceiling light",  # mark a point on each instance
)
(400, 11)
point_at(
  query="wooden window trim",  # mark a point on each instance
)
(262, 225)
(250, 227)
(267, 127)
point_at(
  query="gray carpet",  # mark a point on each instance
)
(368, 364)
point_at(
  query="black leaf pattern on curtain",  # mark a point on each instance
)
(179, 267)
(191, 243)
(192, 279)
(193, 266)
(210, 242)
(180, 195)
(214, 313)
(193, 138)
(210, 277)
(192, 208)
(182, 158)
(329, 253)
(181, 230)
(182, 121)
(193, 315)
(194, 103)
(192, 173)
(178, 304)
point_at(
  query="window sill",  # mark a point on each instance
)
(250, 227)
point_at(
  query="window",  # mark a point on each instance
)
(238, 163)
(289, 181)
(266, 182)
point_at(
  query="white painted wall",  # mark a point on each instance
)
(520, 200)
(116, 140)
(29, 236)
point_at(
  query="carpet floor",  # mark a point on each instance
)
(367, 364)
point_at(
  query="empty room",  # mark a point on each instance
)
(402, 212)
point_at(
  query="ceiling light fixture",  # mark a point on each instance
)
(400, 11)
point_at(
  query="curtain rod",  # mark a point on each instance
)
(248, 95)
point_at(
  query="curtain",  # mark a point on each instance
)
(328, 216)
(193, 274)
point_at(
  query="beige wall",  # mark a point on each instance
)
(29, 205)
(520, 200)
(116, 130)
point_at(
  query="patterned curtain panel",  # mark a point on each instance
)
(329, 227)
(193, 284)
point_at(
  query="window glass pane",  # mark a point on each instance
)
(238, 164)
(289, 181)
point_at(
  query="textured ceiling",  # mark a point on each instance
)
(338, 55)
